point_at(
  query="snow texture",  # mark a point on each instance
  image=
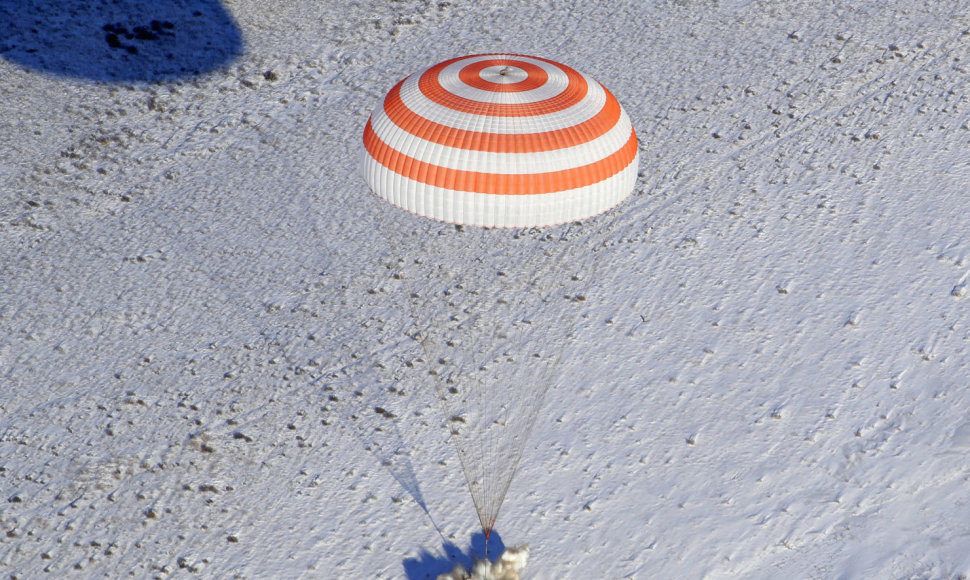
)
(766, 378)
(509, 566)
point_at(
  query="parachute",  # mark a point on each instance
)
(511, 144)
(501, 141)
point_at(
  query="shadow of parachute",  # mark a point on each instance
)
(119, 40)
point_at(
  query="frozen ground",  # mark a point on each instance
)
(768, 377)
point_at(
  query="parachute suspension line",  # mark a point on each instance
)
(535, 406)
(488, 532)
(483, 454)
(485, 446)
(467, 464)
(539, 394)
(489, 504)
(462, 343)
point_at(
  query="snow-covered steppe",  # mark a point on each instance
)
(766, 377)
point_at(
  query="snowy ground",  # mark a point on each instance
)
(769, 373)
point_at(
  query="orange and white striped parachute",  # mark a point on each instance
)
(501, 140)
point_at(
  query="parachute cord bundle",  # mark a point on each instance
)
(494, 336)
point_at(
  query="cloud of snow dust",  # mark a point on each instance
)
(507, 567)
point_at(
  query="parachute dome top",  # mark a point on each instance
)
(501, 140)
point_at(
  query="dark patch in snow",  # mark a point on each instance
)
(126, 40)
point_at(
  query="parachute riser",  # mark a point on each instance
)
(488, 533)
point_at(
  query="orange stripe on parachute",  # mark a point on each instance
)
(426, 129)
(498, 183)
(431, 88)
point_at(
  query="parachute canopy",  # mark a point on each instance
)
(501, 140)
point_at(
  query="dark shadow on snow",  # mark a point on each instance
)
(119, 40)
(428, 565)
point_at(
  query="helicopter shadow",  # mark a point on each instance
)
(119, 40)
(428, 565)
